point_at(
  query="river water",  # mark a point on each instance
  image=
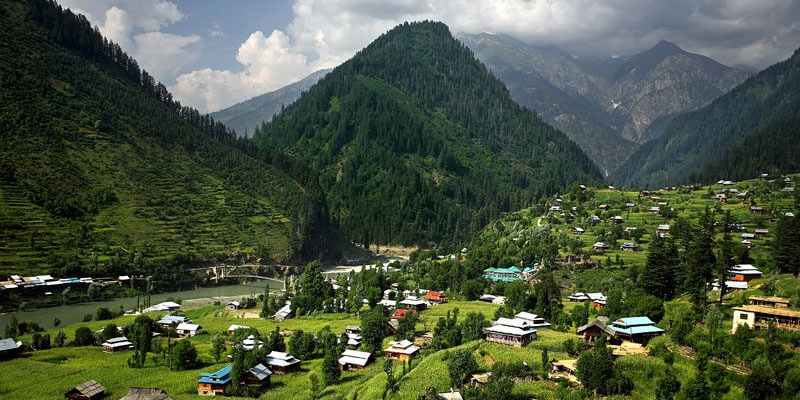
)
(73, 313)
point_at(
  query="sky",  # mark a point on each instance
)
(213, 54)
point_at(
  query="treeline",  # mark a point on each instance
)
(415, 141)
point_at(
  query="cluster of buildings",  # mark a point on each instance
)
(510, 274)
(761, 312)
(92, 390)
(517, 331)
(597, 299)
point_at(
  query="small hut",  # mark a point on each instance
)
(89, 390)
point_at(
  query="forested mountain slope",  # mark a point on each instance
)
(102, 172)
(748, 130)
(244, 117)
(609, 106)
(416, 141)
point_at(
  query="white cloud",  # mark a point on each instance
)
(136, 26)
(324, 33)
(216, 30)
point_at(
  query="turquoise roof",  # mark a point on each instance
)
(222, 376)
(637, 330)
(490, 269)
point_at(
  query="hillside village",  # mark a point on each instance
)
(527, 328)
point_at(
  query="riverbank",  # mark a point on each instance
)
(74, 313)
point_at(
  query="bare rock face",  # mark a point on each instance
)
(609, 106)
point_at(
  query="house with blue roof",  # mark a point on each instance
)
(510, 274)
(214, 384)
(636, 329)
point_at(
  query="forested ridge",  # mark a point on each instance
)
(415, 141)
(749, 130)
(103, 172)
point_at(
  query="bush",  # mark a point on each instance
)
(83, 337)
(183, 355)
(103, 314)
(87, 318)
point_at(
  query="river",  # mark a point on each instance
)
(74, 313)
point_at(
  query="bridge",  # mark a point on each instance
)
(236, 271)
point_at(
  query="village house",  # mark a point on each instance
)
(636, 329)
(599, 246)
(258, 376)
(451, 395)
(769, 301)
(435, 297)
(89, 390)
(565, 369)
(729, 285)
(534, 320)
(250, 343)
(582, 297)
(630, 205)
(283, 313)
(165, 306)
(629, 246)
(756, 210)
(595, 219)
(663, 229)
(618, 219)
(653, 210)
(281, 363)
(401, 313)
(593, 330)
(413, 304)
(116, 344)
(354, 360)
(748, 236)
(498, 274)
(388, 304)
(748, 244)
(189, 330)
(763, 316)
(232, 306)
(214, 384)
(135, 393)
(721, 198)
(514, 332)
(170, 320)
(401, 350)
(9, 348)
(555, 209)
(760, 233)
(744, 272)
(233, 328)
(577, 230)
(603, 207)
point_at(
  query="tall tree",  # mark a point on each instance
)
(315, 291)
(140, 333)
(701, 261)
(373, 323)
(659, 275)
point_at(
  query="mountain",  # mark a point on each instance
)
(609, 106)
(104, 174)
(245, 116)
(414, 140)
(751, 129)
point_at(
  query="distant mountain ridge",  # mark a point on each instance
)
(245, 116)
(750, 130)
(415, 141)
(609, 106)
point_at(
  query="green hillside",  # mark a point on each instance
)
(764, 106)
(415, 141)
(102, 173)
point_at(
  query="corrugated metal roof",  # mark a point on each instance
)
(260, 372)
(8, 344)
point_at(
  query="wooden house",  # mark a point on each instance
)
(599, 246)
(629, 246)
(281, 363)
(89, 390)
(354, 360)
(769, 301)
(413, 304)
(116, 344)
(756, 210)
(760, 233)
(603, 207)
(654, 210)
(233, 328)
(721, 198)
(401, 350)
(258, 376)
(577, 230)
(595, 219)
(636, 329)
(214, 384)
(763, 317)
(663, 229)
(352, 329)
(135, 393)
(618, 219)
(172, 320)
(232, 306)
(514, 332)
(748, 244)
(435, 297)
(744, 272)
(593, 330)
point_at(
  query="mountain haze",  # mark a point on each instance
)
(415, 140)
(751, 129)
(245, 116)
(99, 163)
(610, 106)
